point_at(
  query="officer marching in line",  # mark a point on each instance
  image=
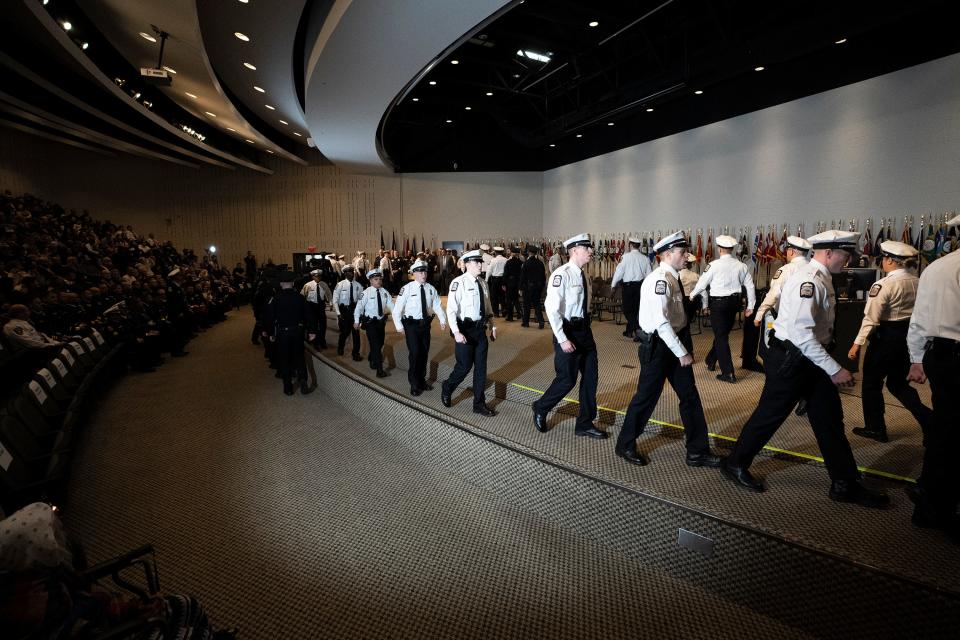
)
(688, 280)
(417, 303)
(495, 279)
(318, 294)
(629, 274)
(286, 317)
(725, 276)
(511, 282)
(371, 315)
(468, 312)
(665, 354)
(345, 297)
(556, 260)
(533, 276)
(886, 319)
(574, 349)
(933, 340)
(799, 366)
(797, 249)
(487, 259)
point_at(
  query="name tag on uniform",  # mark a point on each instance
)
(660, 288)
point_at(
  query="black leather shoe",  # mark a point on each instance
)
(525, 324)
(305, 389)
(592, 432)
(445, 399)
(801, 409)
(703, 460)
(632, 456)
(426, 386)
(879, 436)
(853, 491)
(383, 374)
(484, 410)
(415, 392)
(711, 366)
(287, 389)
(727, 377)
(636, 339)
(541, 325)
(540, 421)
(742, 477)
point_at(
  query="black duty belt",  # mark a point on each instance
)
(732, 295)
(947, 345)
(577, 324)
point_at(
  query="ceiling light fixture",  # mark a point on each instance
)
(268, 151)
(212, 115)
(594, 24)
(433, 83)
(85, 46)
(299, 135)
(242, 36)
(579, 135)
(533, 55)
(489, 93)
(190, 95)
(454, 62)
(609, 124)
(758, 68)
(284, 122)
(649, 109)
(698, 92)
(170, 70)
(272, 108)
(416, 99)
(449, 121)
(67, 26)
(249, 66)
(466, 108)
(231, 129)
(244, 1)
(840, 41)
(256, 88)
(146, 36)
(250, 141)
(553, 145)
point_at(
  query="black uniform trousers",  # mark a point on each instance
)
(887, 359)
(470, 355)
(496, 294)
(320, 312)
(512, 296)
(663, 365)
(567, 365)
(532, 295)
(939, 476)
(290, 356)
(376, 335)
(345, 323)
(630, 292)
(417, 334)
(784, 386)
(723, 315)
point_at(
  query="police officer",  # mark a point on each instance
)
(317, 294)
(487, 259)
(688, 280)
(417, 303)
(511, 283)
(574, 349)
(725, 276)
(533, 276)
(287, 316)
(886, 318)
(799, 365)
(665, 354)
(495, 279)
(633, 268)
(345, 297)
(933, 340)
(468, 312)
(797, 249)
(371, 314)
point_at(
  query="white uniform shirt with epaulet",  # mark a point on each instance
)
(409, 305)
(495, 269)
(463, 301)
(565, 294)
(21, 334)
(633, 267)
(726, 276)
(311, 289)
(385, 264)
(806, 315)
(367, 306)
(661, 307)
(341, 294)
(890, 299)
(555, 261)
(937, 310)
(487, 259)
(772, 299)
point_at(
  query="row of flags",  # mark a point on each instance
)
(407, 243)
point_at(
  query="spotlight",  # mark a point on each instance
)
(66, 25)
(213, 249)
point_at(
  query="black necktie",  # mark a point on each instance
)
(351, 293)
(379, 304)
(586, 296)
(680, 282)
(423, 303)
(483, 312)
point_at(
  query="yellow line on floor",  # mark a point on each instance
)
(796, 454)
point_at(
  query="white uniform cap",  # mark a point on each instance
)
(485, 247)
(954, 221)
(347, 267)
(897, 249)
(798, 243)
(635, 240)
(499, 249)
(582, 240)
(673, 240)
(374, 273)
(836, 239)
(474, 255)
(418, 265)
(315, 272)
(727, 242)
(175, 271)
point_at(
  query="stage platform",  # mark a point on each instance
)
(795, 510)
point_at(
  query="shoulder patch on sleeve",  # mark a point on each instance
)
(454, 286)
(806, 290)
(403, 289)
(777, 274)
(875, 289)
(660, 288)
(707, 268)
(557, 280)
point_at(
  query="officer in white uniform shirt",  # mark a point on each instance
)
(799, 365)
(468, 314)
(725, 276)
(318, 294)
(688, 280)
(886, 318)
(665, 354)
(797, 249)
(633, 268)
(487, 259)
(574, 349)
(495, 280)
(371, 315)
(21, 334)
(417, 304)
(933, 340)
(556, 259)
(345, 296)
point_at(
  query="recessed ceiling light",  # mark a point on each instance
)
(649, 109)
(85, 46)
(67, 26)
(256, 88)
(609, 124)
(758, 68)
(272, 108)
(466, 108)
(516, 75)
(840, 41)
(553, 145)
(284, 122)
(231, 129)
(244, 1)
(489, 93)
(579, 135)
(170, 70)
(533, 55)
(190, 95)
(242, 36)
(594, 24)
(146, 36)
(416, 99)
(249, 66)
(297, 134)
(212, 115)
(268, 151)
(454, 62)
(250, 141)
(449, 121)
(699, 92)
(433, 83)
